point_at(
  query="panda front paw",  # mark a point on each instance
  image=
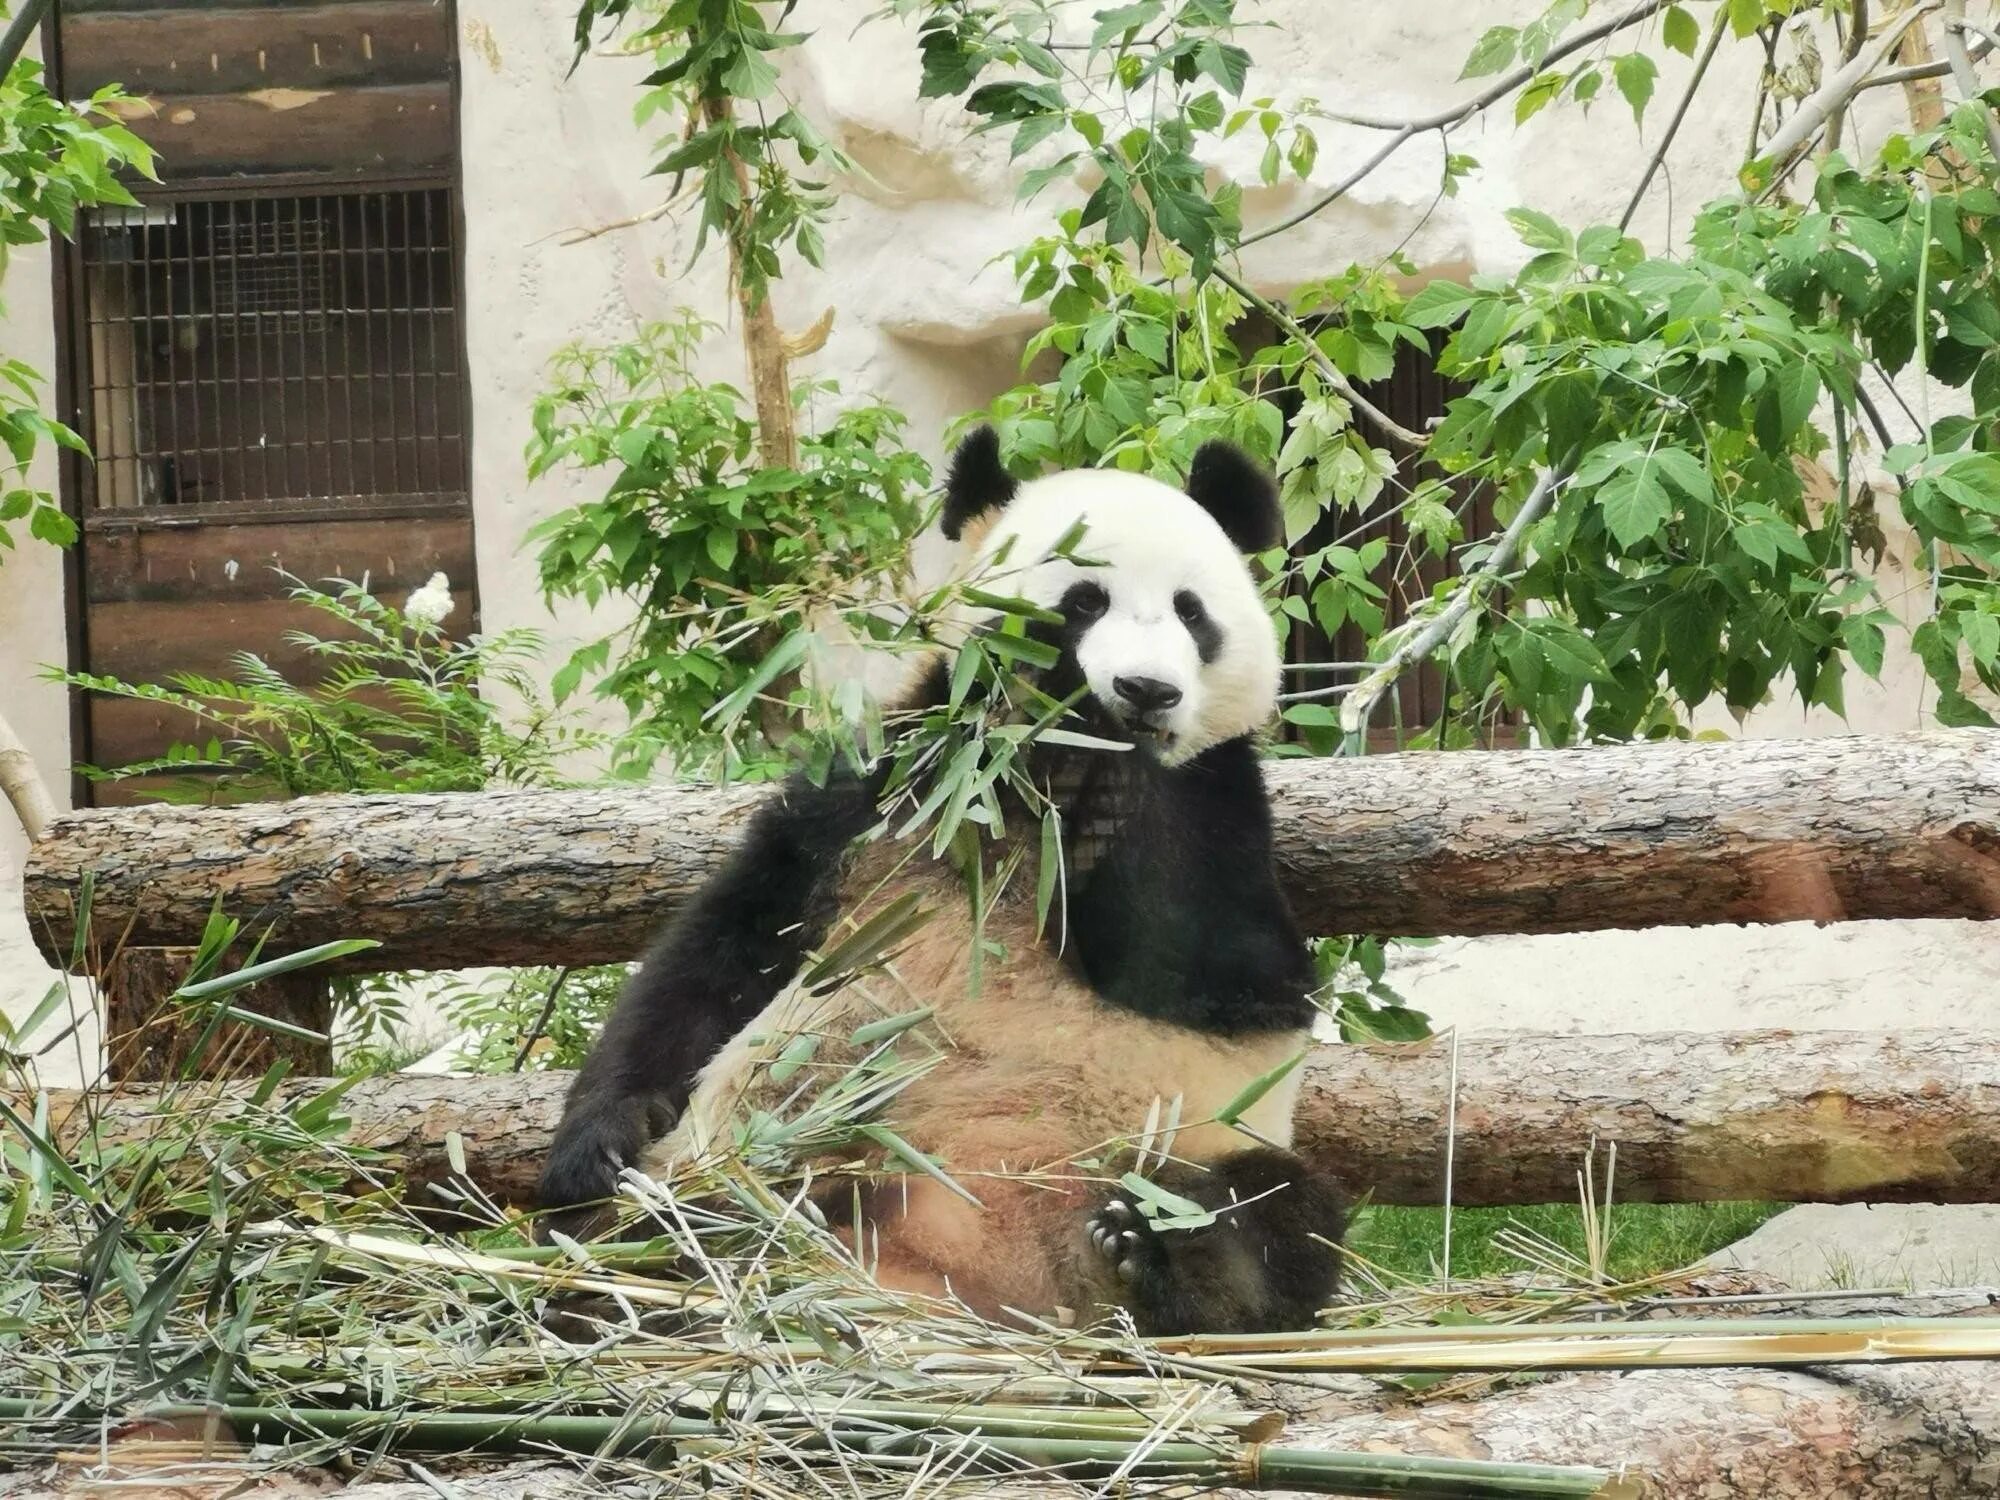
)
(592, 1146)
(1119, 1235)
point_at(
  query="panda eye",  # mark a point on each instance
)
(1085, 601)
(1188, 607)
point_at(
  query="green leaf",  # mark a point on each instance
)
(1165, 1210)
(1635, 505)
(1492, 52)
(1864, 643)
(911, 1156)
(1440, 303)
(1787, 401)
(721, 544)
(868, 1034)
(1538, 231)
(1543, 89)
(305, 958)
(1680, 31)
(1257, 1088)
(1981, 633)
(1634, 74)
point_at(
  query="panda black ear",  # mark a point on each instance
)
(1233, 487)
(976, 483)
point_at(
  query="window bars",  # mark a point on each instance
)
(274, 348)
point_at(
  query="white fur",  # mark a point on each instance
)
(1152, 541)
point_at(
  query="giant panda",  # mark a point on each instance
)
(1175, 973)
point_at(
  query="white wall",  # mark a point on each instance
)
(926, 317)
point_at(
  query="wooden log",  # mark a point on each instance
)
(1506, 841)
(197, 49)
(406, 127)
(1794, 1117)
(1919, 1430)
(1908, 1432)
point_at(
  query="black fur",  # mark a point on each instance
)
(1269, 1262)
(976, 483)
(711, 971)
(1200, 624)
(1233, 487)
(1182, 919)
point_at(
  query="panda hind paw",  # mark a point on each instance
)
(1120, 1236)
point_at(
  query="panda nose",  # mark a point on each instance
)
(1147, 694)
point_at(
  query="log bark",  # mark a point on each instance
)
(1632, 836)
(1919, 1430)
(1907, 1432)
(149, 1036)
(1795, 1117)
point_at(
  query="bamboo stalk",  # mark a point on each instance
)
(1252, 1466)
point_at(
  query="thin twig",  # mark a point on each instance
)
(1853, 38)
(1444, 119)
(541, 1021)
(1450, 1151)
(1506, 85)
(1328, 370)
(1715, 34)
(1920, 72)
(1360, 705)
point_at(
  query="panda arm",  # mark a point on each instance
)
(1251, 965)
(1185, 921)
(713, 968)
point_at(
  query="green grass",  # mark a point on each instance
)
(1646, 1238)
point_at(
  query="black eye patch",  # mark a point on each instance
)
(1083, 602)
(1207, 634)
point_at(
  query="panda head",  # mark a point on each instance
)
(1162, 622)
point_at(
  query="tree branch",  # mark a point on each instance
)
(1680, 113)
(1360, 705)
(15, 42)
(1833, 95)
(1328, 370)
(1444, 119)
(22, 784)
(1961, 69)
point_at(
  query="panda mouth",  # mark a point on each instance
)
(1148, 732)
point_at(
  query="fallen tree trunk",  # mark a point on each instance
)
(1920, 1430)
(1792, 1116)
(1906, 1432)
(1531, 841)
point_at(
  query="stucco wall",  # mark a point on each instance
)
(32, 633)
(927, 318)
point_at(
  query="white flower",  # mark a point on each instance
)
(427, 607)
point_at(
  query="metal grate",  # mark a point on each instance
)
(275, 348)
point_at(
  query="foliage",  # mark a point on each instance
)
(55, 158)
(1355, 993)
(728, 562)
(1648, 1238)
(394, 705)
(245, 1259)
(531, 1019)
(1682, 399)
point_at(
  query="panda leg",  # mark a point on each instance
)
(1268, 1263)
